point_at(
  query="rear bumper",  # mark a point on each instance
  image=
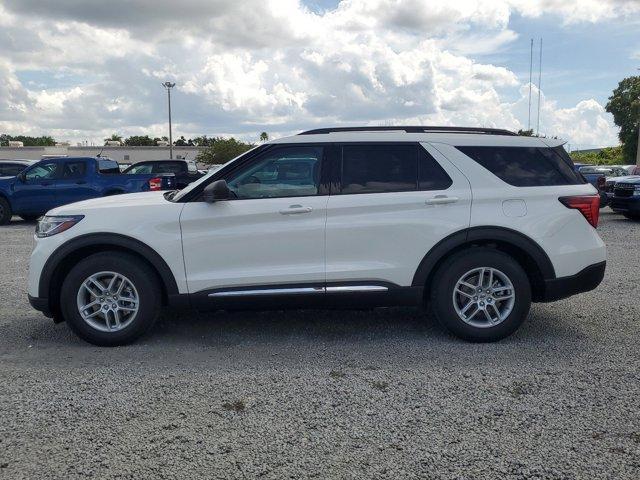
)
(41, 304)
(583, 281)
(625, 204)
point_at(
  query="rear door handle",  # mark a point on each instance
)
(296, 210)
(440, 200)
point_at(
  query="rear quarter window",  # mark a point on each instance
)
(525, 166)
(108, 166)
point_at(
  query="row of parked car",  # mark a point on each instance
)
(30, 188)
(618, 185)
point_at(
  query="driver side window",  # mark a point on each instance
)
(42, 171)
(283, 172)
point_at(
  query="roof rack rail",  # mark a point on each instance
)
(411, 129)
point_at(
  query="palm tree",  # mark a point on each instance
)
(114, 138)
(264, 136)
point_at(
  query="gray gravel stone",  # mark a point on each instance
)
(326, 394)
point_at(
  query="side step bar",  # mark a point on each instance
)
(301, 290)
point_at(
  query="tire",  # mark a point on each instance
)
(5, 212)
(30, 218)
(142, 283)
(632, 216)
(477, 328)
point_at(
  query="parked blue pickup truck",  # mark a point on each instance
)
(53, 182)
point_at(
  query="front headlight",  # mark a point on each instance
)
(50, 225)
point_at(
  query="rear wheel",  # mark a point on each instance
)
(5, 212)
(481, 295)
(110, 298)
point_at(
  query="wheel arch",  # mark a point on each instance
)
(523, 249)
(66, 256)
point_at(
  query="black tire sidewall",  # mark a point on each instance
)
(142, 276)
(447, 277)
(5, 212)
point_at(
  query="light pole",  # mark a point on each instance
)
(169, 86)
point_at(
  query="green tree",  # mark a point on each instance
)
(203, 141)
(624, 105)
(526, 133)
(43, 141)
(221, 150)
(606, 156)
(139, 141)
(264, 136)
(113, 138)
(181, 142)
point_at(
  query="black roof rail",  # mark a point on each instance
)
(411, 129)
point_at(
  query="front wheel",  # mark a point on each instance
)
(481, 295)
(110, 298)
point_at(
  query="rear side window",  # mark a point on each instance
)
(525, 166)
(74, 169)
(378, 168)
(108, 166)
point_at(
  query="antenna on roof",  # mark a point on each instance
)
(539, 88)
(530, 81)
(100, 154)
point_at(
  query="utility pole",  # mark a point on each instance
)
(530, 80)
(539, 89)
(169, 86)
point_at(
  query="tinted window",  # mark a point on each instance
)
(431, 175)
(74, 169)
(139, 168)
(284, 172)
(108, 166)
(525, 166)
(11, 169)
(168, 167)
(42, 171)
(379, 168)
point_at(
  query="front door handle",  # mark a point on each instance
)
(296, 210)
(441, 200)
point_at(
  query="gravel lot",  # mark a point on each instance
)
(322, 394)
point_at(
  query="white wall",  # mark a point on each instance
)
(135, 154)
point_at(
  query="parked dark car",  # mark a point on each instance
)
(11, 168)
(597, 176)
(626, 197)
(186, 171)
(52, 182)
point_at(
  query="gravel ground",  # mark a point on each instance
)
(302, 394)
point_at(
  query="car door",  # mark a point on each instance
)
(35, 192)
(73, 186)
(271, 234)
(392, 203)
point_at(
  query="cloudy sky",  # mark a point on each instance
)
(81, 70)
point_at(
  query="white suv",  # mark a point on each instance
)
(473, 223)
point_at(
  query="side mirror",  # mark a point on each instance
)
(218, 190)
(22, 177)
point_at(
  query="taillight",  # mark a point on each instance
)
(155, 184)
(601, 182)
(588, 205)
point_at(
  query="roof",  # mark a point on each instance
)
(456, 136)
(17, 160)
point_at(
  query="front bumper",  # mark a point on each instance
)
(583, 281)
(625, 204)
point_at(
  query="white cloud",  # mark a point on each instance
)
(242, 67)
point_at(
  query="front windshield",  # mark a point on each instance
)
(207, 176)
